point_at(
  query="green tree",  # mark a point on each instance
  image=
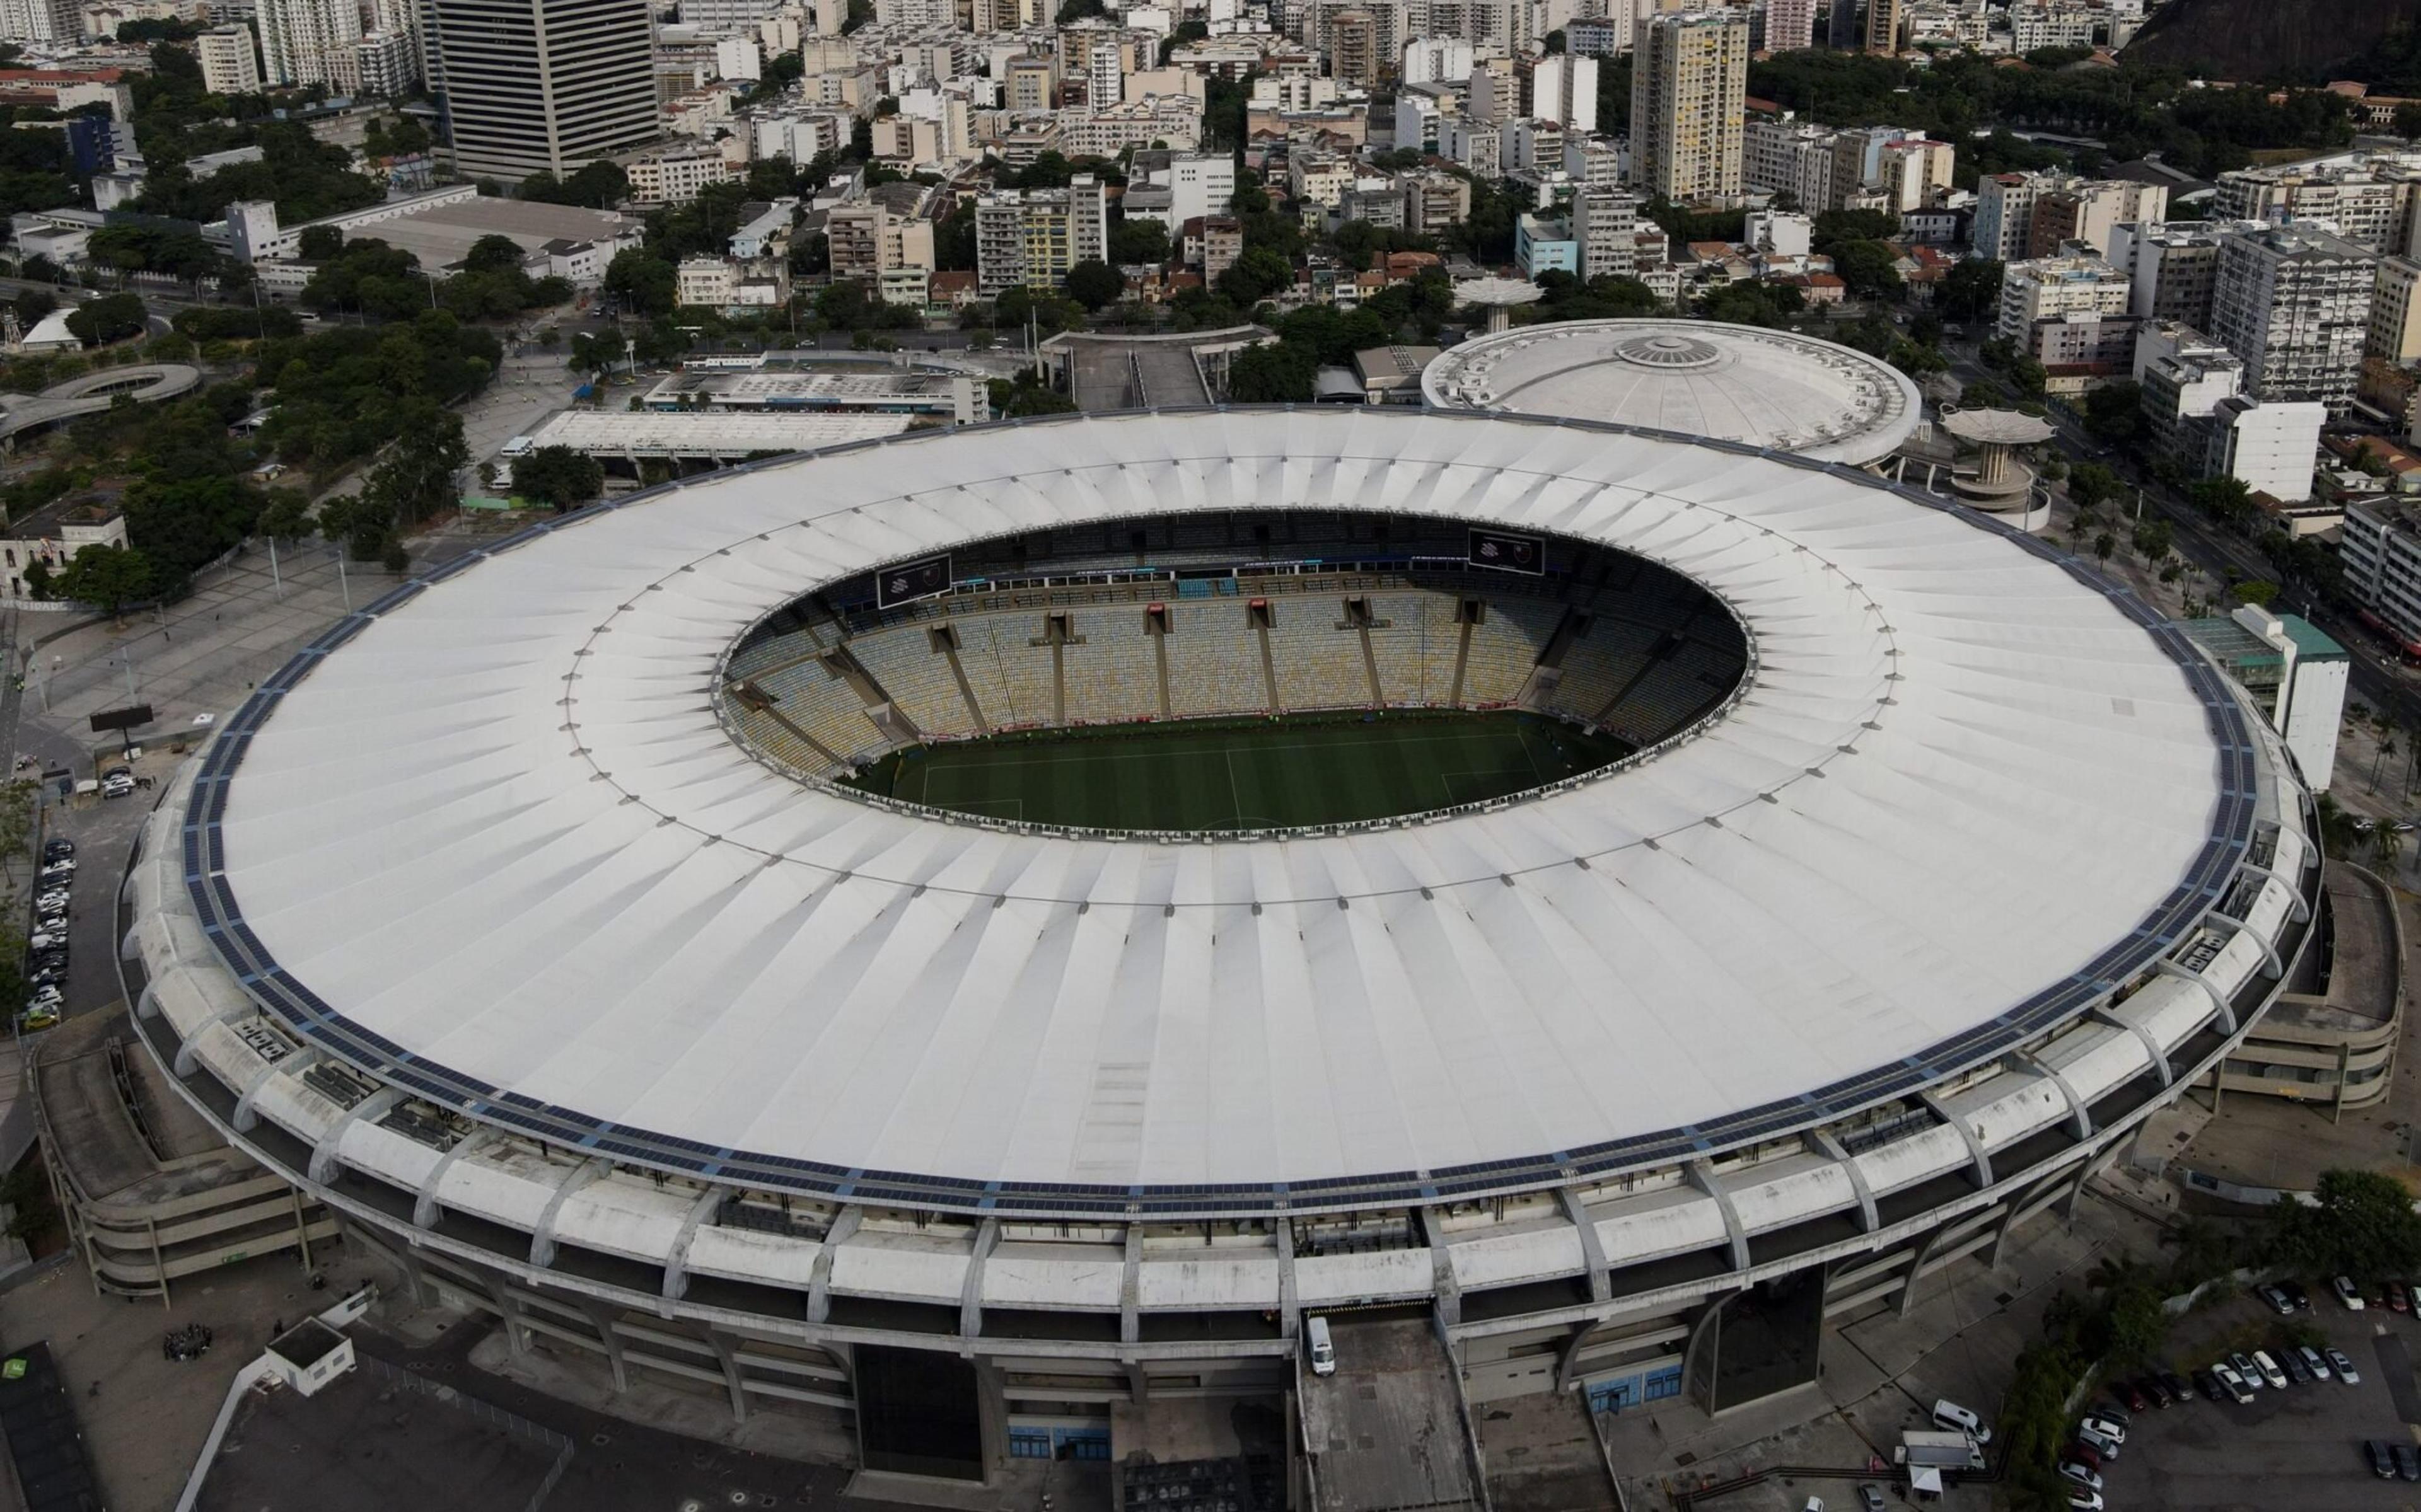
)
(320, 242)
(106, 577)
(1130, 241)
(2359, 1223)
(2090, 484)
(2113, 412)
(414, 479)
(1972, 289)
(111, 317)
(1273, 372)
(287, 516)
(559, 477)
(1866, 268)
(1094, 284)
(647, 283)
(492, 253)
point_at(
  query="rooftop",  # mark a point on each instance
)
(703, 432)
(442, 235)
(1736, 382)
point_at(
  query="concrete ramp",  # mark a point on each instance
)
(1388, 1432)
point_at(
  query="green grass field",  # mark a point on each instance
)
(1225, 774)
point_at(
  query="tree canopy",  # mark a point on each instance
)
(559, 476)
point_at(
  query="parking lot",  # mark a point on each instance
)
(2299, 1447)
(103, 830)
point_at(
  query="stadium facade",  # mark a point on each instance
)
(504, 922)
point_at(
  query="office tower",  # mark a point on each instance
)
(1689, 84)
(532, 86)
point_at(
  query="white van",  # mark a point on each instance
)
(1952, 1418)
(1323, 1351)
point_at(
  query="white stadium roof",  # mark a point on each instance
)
(500, 828)
(1703, 378)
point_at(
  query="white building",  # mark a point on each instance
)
(1780, 233)
(674, 174)
(308, 41)
(1032, 237)
(1563, 89)
(2268, 447)
(1436, 60)
(737, 57)
(386, 64)
(41, 21)
(2295, 304)
(2369, 196)
(229, 65)
(2045, 287)
(1792, 158)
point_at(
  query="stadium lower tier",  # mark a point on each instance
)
(1013, 1330)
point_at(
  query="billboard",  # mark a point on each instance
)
(1507, 551)
(126, 718)
(911, 580)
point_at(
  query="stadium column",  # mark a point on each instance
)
(2224, 1010)
(1290, 1310)
(302, 1059)
(2080, 1114)
(1600, 1285)
(729, 1359)
(1450, 1291)
(1702, 1176)
(971, 1294)
(1129, 1289)
(541, 1249)
(602, 1318)
(1916, 1265)
(1980, 1160)
(844, 1224)
(372, 1108)
(1824, 1144)
(676, 1259)
(424, 1204)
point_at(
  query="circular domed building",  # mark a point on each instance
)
(1776, 390)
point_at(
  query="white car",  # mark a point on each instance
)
(2234, 1382)
(2081, 1475)
(2106, 1447)
(2115, 1432)
(2344, 1367)
(56, 897)
(117, 787)
(2347, 1293)
(2312, 1362)
(2270, 1371)
(45, 997)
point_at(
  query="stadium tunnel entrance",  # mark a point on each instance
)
(1234, 671)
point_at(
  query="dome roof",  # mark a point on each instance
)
(1736, 382)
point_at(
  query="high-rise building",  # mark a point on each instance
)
(1792, 158)
(2052, 288)
(2294, 303)
(1842, 32)
(1603, 221)
(386, 64)
(1689, 86)
(1883, 26)
(2172, 266)
(2396, 311)
(2085, 210)
(2372, 198)
(1032, 237)
(540, 86)
(1563, 89)
(41, 21)
(1789, 25)
(308, 41)
(229, 67)
(1353, 56)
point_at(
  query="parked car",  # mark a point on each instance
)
(2211, 1385)
(117, 786)
(2296, 1294)
(2179, 1388)
(1869, 1499)
(40, 1018)
(2347, 1293)
(2157, 1389)
(2229, 1377)
(2107, 1448)
(2115, 1432)
(53, 897)
(57, 848)
(2270, 1371)
(2400, 1296)
(2298, 1372)
(2383, 1457)
(2246, 1368)
(2407, 1461)
(2081, 1500)
(2081, 1475)
(2312, 1362)
(2132, 1395)
(2343, 1365)
(2079, 1452)
(2279, 1301)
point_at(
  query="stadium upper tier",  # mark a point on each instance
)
(487, 844)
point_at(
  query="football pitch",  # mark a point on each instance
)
(1228, 775)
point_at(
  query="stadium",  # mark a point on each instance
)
(993, 930)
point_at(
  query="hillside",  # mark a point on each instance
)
(2298, 41)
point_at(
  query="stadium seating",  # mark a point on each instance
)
(1505, 646)
(1600, 665)
(1413, 640)
(917, 678)
(1214, 662)
(1318, 665)
(1112, 673)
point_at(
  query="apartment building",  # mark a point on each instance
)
(2048, 287)
(228, 64)
(2295, 304)
(2395, 332)
(1032, 237)
(1689, 86)
(2013, 220)
(2369, 197)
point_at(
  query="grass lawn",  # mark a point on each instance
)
(1225, 774)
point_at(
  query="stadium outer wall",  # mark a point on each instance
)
(1608, 1285)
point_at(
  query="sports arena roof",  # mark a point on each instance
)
(494, 843)
(1704, 378)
